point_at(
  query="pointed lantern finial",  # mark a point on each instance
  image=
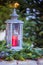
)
(14, 14)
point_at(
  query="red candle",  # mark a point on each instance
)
(14, 40)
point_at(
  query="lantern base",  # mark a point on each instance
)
(16, 48)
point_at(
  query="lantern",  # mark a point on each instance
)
(14, 32)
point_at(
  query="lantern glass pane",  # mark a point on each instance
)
(8, 33)
(16, 29)
(15, 34)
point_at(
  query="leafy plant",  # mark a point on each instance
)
(28, 52)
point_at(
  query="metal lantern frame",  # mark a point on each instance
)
(10, 29)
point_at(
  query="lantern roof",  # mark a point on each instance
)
(13, 19)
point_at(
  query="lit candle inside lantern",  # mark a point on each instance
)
(14, 40)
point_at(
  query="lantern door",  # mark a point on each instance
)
(15, 35)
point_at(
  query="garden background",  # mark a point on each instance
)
(33, 28)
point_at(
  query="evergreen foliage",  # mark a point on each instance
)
(33, 28)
